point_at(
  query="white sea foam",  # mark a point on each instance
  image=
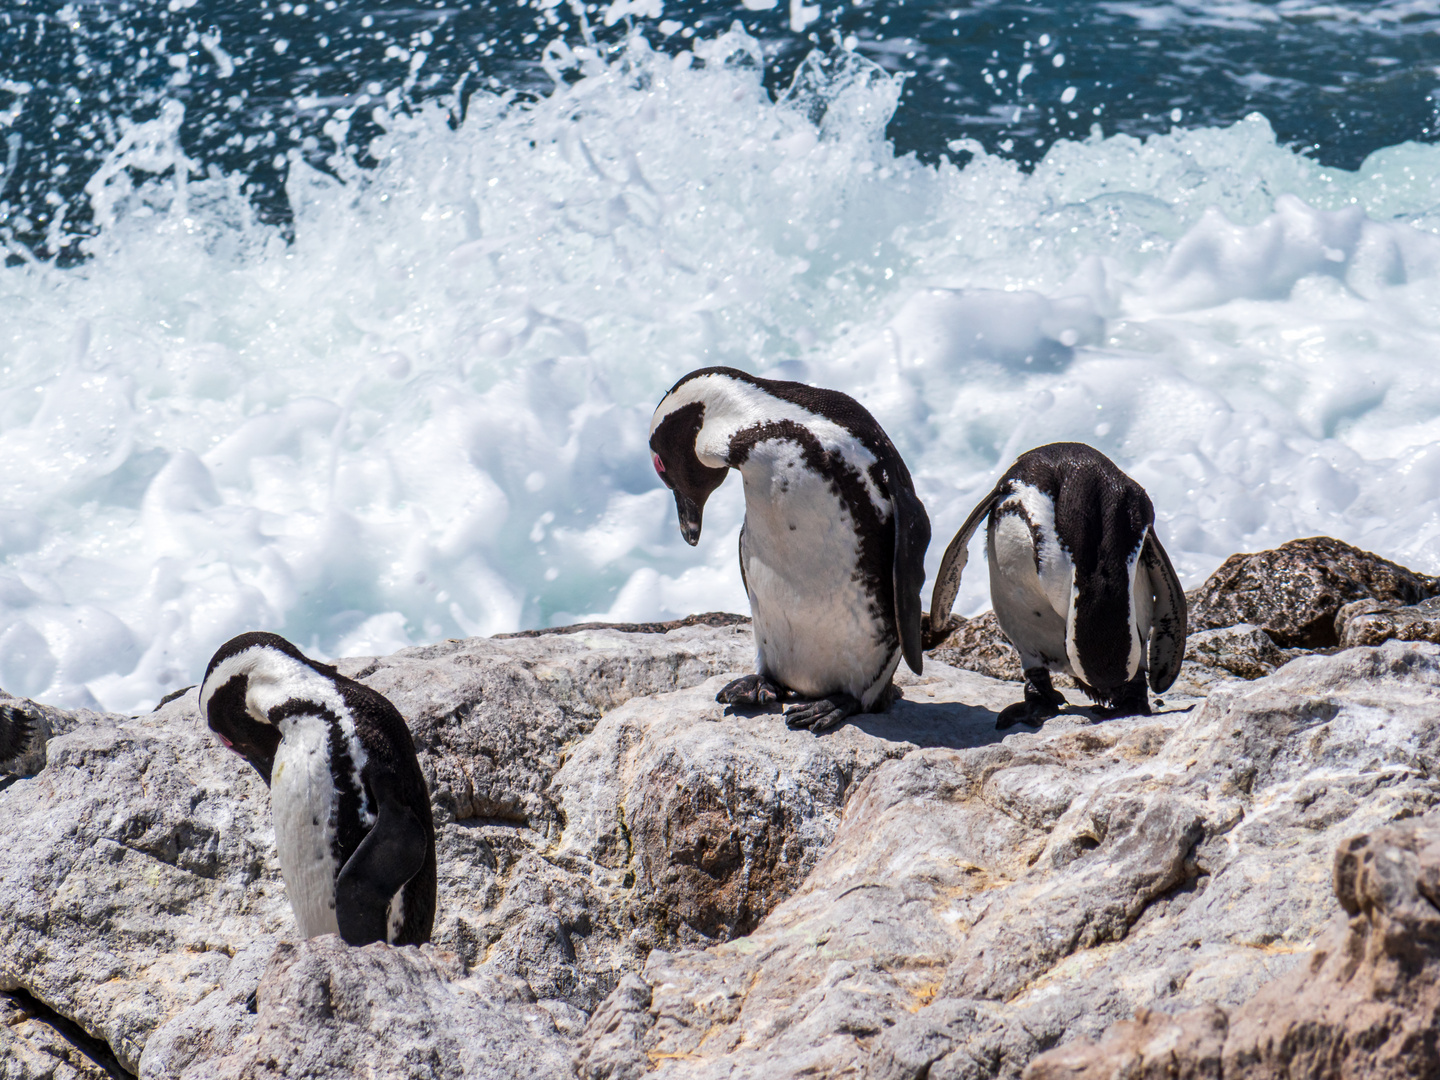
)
(426, 416)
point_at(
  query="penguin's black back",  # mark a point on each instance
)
(1101, 518)
(391, 759)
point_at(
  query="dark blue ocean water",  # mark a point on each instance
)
(260, 79)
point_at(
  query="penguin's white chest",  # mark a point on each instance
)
(302, 800)
(1030, 590)
(819, 628)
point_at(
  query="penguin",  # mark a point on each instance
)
(832, 550)
(352, 813)
(1078, 580)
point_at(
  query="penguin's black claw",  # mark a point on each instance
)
(823, 713)
(1042, 701)
(748, 690)
(1133, 700)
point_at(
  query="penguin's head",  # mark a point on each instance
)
(674, 431)
(247, 676)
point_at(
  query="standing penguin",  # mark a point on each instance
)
(833, 547)
(352, 812)
(1078, 580)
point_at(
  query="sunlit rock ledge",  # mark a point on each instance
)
(635, 881)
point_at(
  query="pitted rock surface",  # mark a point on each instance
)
(1294, 592)
(636, 881)
(1369, 622)
(1365, 1004)
(326, 1009)
(950, 931)
(978, 644)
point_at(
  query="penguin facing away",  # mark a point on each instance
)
(353, 826)
(833, 546)
(1078, 580)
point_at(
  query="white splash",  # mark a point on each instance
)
(426, 416)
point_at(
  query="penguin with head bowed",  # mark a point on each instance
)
(833, 547)
(1078, 580)
(352, 813)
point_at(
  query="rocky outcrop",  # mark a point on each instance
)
(138, 867)
(1153, 1046)
(978, 905)
(35, 1041)
(979, 644)
(637, 881)
(325, 1009)
(1369, 622)
(1294, 592)
(1366, 1003)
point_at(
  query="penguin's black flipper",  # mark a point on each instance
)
(16, 729)
(1168, 623)
(912, 537)
(390, 855)
(952, 566)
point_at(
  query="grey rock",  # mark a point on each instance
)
(1153, 1046)
(635, 880)
(1370, 622)
(1294, 592)
(1231, 652)
(709, 618)
(958, 927)
(131, 870)
(324, 1009)
(978, 644)
(35, 1044)
(491, 718)
(1365, 1004)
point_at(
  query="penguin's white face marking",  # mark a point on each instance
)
(732, 405)
(273, 679)
(816, 630)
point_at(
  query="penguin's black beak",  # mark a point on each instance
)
(257, 743)
(261, 762)
(259, 753)
(690, 513)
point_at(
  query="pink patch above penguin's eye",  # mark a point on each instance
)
(659, 465)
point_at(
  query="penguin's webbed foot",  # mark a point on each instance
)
(749, 690)
(1042, 701)
(1132, 700)
(822, 714)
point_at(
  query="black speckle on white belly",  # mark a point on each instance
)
(302, 800)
